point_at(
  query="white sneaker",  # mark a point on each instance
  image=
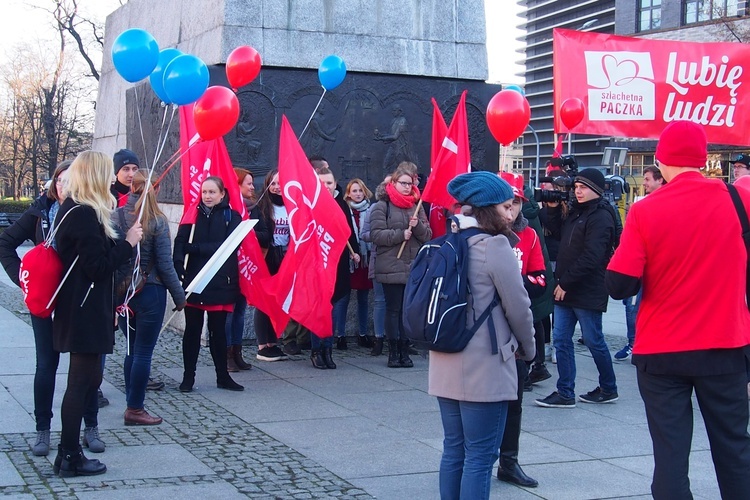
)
(548, 352)
(553, 356)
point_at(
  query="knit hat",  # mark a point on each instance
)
(480, 189)
(591, 178)
(683, 143)
(516, 182)
(124, 157)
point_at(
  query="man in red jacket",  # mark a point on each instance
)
(693, 324)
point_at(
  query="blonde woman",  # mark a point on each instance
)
(84, 315)
(148, 305)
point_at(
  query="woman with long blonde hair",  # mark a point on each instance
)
(84, 314)
(147, 305)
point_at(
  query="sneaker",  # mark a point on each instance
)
(279, 352)
(154, 385)
(598, 397)
(624, 353)
(92, 441)
(341, 344)
(41, 447)
(101, 400)
(270, 354)
(539, 373)
(555, 400)
(291, 349)
(553, 355)
(548, 352)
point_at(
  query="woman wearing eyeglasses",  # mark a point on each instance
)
(392, 222)
(35, 224)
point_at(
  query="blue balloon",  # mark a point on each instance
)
(185, 79)
(135, 54)
(331, 72)
(516, 88)
(157, 76)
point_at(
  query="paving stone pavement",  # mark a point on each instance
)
(362, 431)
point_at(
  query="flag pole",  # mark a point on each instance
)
(351, 250)
(403, 243)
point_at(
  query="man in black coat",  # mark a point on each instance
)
(587, 236)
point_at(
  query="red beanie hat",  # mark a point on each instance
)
(683, 144)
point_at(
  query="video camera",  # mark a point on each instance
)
(569, 166)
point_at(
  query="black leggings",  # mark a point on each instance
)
(217, 341)
(84, 378)
(394, 301)
(512, 434)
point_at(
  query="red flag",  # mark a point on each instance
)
(453, 158)
(439, 131)
(318, 232)
(209, 158)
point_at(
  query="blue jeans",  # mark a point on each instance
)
(631, 312)
(47, 360)
(148, 310)
(472, 435)
(236, 322)
(317, 342)
(378, 310)
(562, 338)
(341, 307)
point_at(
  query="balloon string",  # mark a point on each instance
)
(502, 158)
(313, 114)
(140, 125)
(174, 162)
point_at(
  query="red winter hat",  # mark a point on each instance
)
(516, 182)
(683, 144)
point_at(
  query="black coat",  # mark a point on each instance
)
(84, 316)
(343, 279)
(212, 226)
(32, 225)
(586, 239)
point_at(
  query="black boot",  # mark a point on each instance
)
(510, 471)
(316, 356)
(403, 354)
(75, 463)
(226, 382)
(377, 348)
(58, 460)
(393, 358)
(187, 383)
(328, 358)
(364, 341)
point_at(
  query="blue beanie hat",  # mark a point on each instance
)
(125, 157)
(480, 189)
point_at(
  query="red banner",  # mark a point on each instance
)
(207, 158)
(318, 232)
(633, 87)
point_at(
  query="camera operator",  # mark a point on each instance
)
(587, 237)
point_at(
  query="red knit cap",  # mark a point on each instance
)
(683, 144)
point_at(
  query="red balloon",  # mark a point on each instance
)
(216, 112)
(243, 65)
(571, 112)
(508, 115)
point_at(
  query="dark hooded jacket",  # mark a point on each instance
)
(33, 225)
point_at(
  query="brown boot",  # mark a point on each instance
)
(238, 361)
(231, 365)
(140, 417)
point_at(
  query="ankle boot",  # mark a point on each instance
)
(74, 463)
(403, 354)
(328, 358)
(316, 356)
(238, 361)
(393, 357)
(377, 348)
(226, 382)
(187, 383)
(134, 416)
(510, 471)
(231, 365)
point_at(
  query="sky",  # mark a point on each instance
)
(29, 25)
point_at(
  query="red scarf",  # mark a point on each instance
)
(400, 200)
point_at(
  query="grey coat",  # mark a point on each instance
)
(156, 249)
(475, 374)
(387, 224)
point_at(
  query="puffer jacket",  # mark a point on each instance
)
(156, 249)
(387, 224)
(212, 226)
(586, 238)
(475, 374)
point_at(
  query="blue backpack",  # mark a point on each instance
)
(436, 296)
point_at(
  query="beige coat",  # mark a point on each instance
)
(475, 374)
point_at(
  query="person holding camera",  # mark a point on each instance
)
(587, 237)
